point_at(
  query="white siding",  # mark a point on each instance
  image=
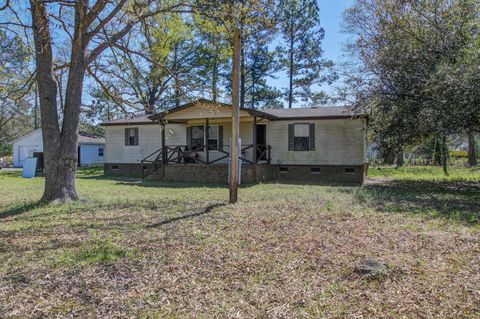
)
(117, 152)
(25, 146)
(89, 154)
(337, 142)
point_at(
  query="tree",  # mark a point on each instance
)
(259, 65)
(301, 52)
(155, 63)
(95, 28)
(15, 108)
(416, 78)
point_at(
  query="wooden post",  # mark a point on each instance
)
(254, 149)
(206, 141)
(164, 149)
(235, 116)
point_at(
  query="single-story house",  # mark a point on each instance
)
(192, 143)
(90, 149)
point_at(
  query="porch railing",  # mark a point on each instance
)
(184, 154)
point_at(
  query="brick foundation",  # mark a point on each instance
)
(218, 173)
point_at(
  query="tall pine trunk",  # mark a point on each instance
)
(290, 72)
(472, 151)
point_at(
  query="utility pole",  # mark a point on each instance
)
(234, 169)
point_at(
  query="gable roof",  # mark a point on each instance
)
(82, 138)
(90, 139)
(132, 120)
(318, 112)
(26, 135)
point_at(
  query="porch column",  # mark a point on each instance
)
(206, 142)
(254, 148)
(164, 149)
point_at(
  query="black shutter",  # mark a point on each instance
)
(136, 136)
(126, 136)
(189, 136)
(220, 137)
(312, 137)
(291, 137)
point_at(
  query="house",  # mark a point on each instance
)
(192, 143)
(90, 149)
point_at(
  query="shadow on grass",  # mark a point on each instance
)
(458, 201)
(20, 209)
(205, 211)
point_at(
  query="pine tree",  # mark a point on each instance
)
(301, 52)
(259, 65)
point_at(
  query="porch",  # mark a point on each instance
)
(187, 155)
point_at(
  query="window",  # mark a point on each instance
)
(301, 137)
(131, 136)
(213, 137)
(283, 170)
(100, 152)
(315, 170)
(198, 137)
(115, 167)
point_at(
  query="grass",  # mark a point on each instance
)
(170, 250)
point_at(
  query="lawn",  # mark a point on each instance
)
(167, 250)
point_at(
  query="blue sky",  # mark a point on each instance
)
(331, 19)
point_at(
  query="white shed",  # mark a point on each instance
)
(90, 149)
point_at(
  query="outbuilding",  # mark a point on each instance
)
(90, 149)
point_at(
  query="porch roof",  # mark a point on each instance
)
(204, 103)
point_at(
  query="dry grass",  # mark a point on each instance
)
(166, 251)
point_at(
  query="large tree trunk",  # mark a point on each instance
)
(472, 151)
(59, 147)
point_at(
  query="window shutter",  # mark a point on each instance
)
(291, 137)
(136, 136)
(126, 136)
(220, 137)
(189, 136)
(312, 137)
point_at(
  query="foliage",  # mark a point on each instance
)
(300, 53)
(417, 71)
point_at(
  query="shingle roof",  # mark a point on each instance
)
(274, 114)
(310, 112)
(85, 139)
(132, 120)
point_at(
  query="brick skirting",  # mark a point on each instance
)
(218, 173)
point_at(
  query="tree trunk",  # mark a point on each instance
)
(290, 73)
(400, 160)
(59, 148)
(235, 117)
(472, 151)
(444, 155)
(215, 75)
(242, 73)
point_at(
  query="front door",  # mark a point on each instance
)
(261, 132)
